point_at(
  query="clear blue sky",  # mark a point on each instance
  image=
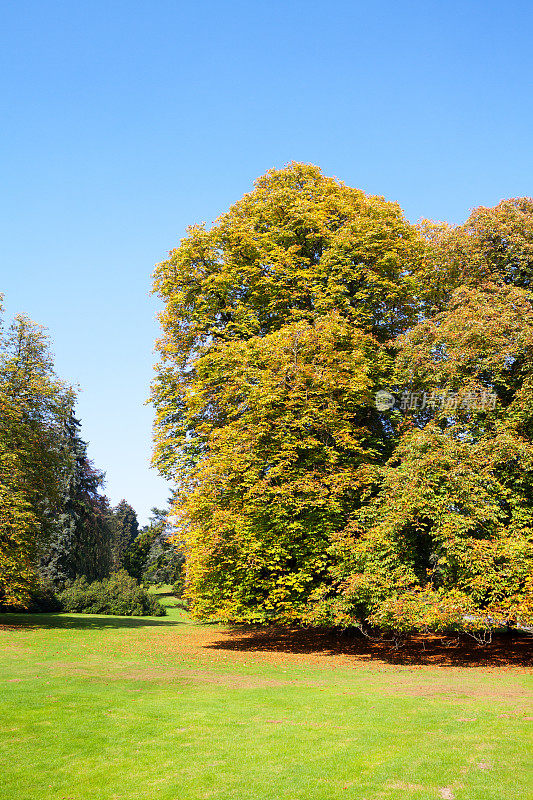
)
(124, 121)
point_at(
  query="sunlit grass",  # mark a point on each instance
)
(104, 708)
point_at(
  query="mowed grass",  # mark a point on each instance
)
(104, 708)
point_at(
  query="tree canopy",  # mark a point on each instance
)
(299, 499)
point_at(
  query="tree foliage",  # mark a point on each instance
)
(81, 539)
(54, 519)
(298, 498)
(276, 325)
(124, 526)
(34, 404)
(155, 557)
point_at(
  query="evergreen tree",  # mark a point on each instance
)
(154, 556)
(81, 540)
(165, 558)
(124, 530)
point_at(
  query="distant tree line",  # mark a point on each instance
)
(56, 524)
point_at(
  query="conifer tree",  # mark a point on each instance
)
(81, 540)
(154, 556)
(124, 530)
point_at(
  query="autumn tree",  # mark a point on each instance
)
(275, 337)
(19, 525)
(449, 528)
(34, 405)
(493, 245)
(299, 498)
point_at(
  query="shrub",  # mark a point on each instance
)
(119, 594)
(44, 599)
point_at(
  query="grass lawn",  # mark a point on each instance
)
(102, 708)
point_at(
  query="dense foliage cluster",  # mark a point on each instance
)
(124, 529)
(119, 594)
(154, 557)
(300, 499)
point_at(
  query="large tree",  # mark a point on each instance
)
(299, 498)
(275, 332)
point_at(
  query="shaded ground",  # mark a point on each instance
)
(506, 650)
(80, 622)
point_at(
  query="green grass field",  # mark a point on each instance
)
(102, 708)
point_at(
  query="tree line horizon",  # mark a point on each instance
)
(57, 527)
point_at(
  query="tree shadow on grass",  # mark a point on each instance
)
(506, 650)
(80, 621)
